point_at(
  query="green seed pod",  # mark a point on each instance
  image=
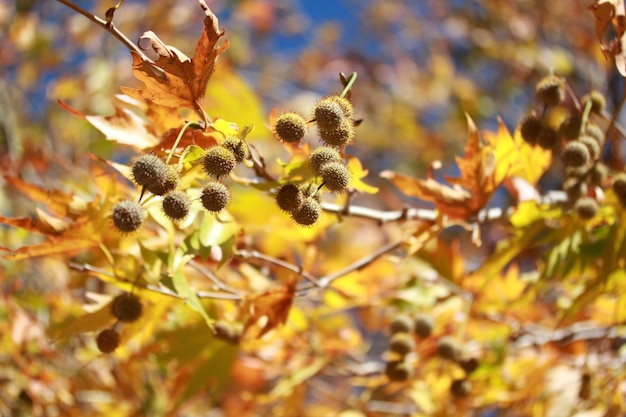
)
(398, 371)
(239, 148)
(548, 139)
(176, 205)
(219, 162)
(598, 174)
(619, 188)
(402, 343)
(402, 324)
(308, 213)
(574, 188)
(598, 102)
(569, 128)
(586, 207)
(338, 137)
(127, 216)
(215, 197)
(322, 156)
(550, 90)
(290, 128)
(147, 169)
(289, 197)
(460, 388)
(448, 348)
(126, 307)
(344, 103)
(595, 132)
(530, 128)
(424, 325)
(166, 183)
(575, 154)
(107, 340)
(328, 114)
(336, 176)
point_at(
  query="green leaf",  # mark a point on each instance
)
(89, 322)
(189, 295)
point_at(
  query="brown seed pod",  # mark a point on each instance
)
(128, 216)
(550, 90)
(107, 340)
(215, 197)
(219, 162)
(290, 128)
(126, 307)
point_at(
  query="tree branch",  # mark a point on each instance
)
(108, 26)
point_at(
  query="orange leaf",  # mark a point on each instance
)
(450, 201)
(175, 80)
(53, 246)
(272, 306)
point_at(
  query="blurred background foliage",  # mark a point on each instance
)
(422, 65)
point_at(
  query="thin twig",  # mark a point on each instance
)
(108, 26)
(211, 275)
(253, 254)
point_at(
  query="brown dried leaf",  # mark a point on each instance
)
(450, 201)
(175, 80)
(272, 306)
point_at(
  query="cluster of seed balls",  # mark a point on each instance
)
(404, 331)
(333, 116)
(154, 175)
(580, 145)
(126, 308)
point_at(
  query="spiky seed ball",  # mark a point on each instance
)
(598, 102)
(402, 343)
(176, 205)
(469, 365)
(310, 190)
(586, 207)
(228, 331)
(448, 348)
(290, 128)
(596, 132)
(574, 188)
(575, 154)
(338, 137)
(598, 173)
(127, 216)
(215, 197)
(592, 146)
(219, 162)
(402, 324)
(147, 169)
(322, 156)
(550, 90)
(238, 147)
(289, 197)
(345, 104)
(398, 371)
(328, 114)
(460, 388)
(548, 138)
(619, 187)
(530, 128)
(168, 182)
(107, 340)
(126, 307)
(308, 213)
(336, 176)
(424, 324)
(570, 127)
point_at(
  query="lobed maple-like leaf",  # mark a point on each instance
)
(270, 309)
(606, 12)
(176, 80)
(487, 162)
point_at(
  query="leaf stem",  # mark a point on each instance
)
(349, 85)
(180, 136)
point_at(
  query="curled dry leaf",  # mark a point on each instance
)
(175, 80)
(607, 12)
